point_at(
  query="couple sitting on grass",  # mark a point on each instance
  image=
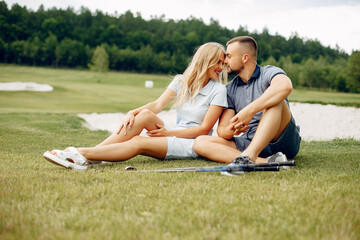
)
(254, 104)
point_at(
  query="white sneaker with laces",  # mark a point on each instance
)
(278, 157)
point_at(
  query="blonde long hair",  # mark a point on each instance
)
(194, 77)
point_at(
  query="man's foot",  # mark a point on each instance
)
(278, 157)
(242, 159)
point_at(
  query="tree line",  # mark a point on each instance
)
(68, 38)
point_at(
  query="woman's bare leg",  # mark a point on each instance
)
(149, 146)
(145, 119)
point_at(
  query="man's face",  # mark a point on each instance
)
(233, 59)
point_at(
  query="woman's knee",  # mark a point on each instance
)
(201, 143)
(138, 143)
(145, 113)
(146, 117)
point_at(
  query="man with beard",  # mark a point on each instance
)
(258, 108)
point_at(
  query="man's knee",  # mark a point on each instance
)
(281, 112)
(278, 107)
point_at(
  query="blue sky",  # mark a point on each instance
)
(332, 22)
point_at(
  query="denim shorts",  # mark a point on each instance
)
(288, 143)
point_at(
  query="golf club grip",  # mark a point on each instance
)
(257, 169)
(288, 163)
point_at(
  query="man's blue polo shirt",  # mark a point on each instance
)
(240, 94)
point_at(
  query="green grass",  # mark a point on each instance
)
(317, 199)
(78, 91)
(335, 98)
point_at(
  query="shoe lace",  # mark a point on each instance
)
(242, 160)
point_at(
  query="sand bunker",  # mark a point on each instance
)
(317, 122)
(25, 86)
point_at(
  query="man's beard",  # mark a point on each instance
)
(236, 71)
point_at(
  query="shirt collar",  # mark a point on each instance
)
(254, 76)
(206, 90)
(256, 72)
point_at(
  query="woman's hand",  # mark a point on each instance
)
(127, 122)
(237, 129)
(160, 132)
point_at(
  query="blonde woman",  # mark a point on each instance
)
(200, 99)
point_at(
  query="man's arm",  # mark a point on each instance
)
(278, 90)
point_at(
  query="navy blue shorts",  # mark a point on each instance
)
(288, 143)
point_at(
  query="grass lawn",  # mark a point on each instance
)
(317, 199)
(335, 98)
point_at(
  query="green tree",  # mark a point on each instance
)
(270, 61)
(34, 50)
(3, 48)
(68, 38)
(291, 69)
(353, 72)
(71, 53)
(99, 61)
(308, 73)
(49, 50)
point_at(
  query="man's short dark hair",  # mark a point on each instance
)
(245, 39)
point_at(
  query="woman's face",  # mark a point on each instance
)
(214, 71)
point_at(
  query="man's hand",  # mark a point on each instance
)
(127, 123)
(239, 123)
(160, 132)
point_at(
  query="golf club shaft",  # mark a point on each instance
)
(223, 169)
(228, 168)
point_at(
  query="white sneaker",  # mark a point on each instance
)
(69, 158)
(81, 159)
(232, 174)
(278, 157)
(63, 159)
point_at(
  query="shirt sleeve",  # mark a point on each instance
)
(175, 84)
(269, 73)
(220, 96)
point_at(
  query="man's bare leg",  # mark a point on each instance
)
(272, 124)
(217, 149)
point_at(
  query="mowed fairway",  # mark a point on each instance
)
(317, 199)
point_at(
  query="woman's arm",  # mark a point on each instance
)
(155, 106)
(211, 116)
(226, 129)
